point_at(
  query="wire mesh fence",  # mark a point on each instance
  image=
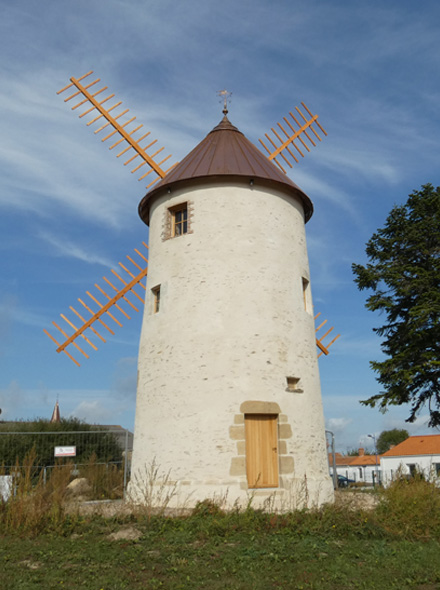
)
(99, 458)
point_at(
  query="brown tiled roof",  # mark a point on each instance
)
(429, 444)
(341, 459)
(225, 153)
(365, 460)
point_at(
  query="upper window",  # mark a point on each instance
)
(179, 220)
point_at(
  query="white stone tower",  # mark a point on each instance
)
(229, 400)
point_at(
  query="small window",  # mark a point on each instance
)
(179, 220)
(437, 468)
(156, 299)
(293, 384)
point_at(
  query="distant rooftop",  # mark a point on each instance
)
(428, 444)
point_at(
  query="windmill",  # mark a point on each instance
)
(286, 144)
(228, 382)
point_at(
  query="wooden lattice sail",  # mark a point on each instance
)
(296, 130)
(99, 113)
(320, 342)
(103, 311)
(94, 105)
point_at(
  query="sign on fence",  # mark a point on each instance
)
(65, 452)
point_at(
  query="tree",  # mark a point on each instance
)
(390, 438)
(403, 271)
(355, 452)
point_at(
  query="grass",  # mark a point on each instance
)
(224, 552)
(341, 546)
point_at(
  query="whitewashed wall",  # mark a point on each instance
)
(232, 326)
(425, 464)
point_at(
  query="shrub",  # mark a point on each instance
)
(410, 508)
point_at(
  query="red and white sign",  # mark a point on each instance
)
(65, 452)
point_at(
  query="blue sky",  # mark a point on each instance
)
(68, 208)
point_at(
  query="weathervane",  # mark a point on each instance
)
(225, 96)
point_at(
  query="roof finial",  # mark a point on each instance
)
(224, 97)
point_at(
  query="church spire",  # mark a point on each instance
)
(56, 418)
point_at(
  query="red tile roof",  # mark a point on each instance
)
(341, 459)
(365, 460)
(428, 444)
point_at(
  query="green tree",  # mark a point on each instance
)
(403, 272)
(355, 452)
(389, 438)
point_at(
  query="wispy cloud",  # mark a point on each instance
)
(93, 412)
(12, 312)
(338, 425)
(69, 249)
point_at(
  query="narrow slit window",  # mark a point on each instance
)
(179, 217)
(306, 294)
(156, 299)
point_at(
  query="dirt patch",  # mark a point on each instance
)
(356, 500)
(125, 534)
(32, 565)
(105, 508)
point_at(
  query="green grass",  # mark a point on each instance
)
(215, 552)
(340, 546)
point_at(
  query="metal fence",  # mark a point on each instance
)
(102, 456)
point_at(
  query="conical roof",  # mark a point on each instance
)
(225, 153)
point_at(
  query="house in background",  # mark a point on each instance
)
(361, 468)
(416, 454)
(343, 464)
(366, 468)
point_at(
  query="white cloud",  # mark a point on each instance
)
(338, 425)
(11, 311)
(94, 412)
(67, 248)
(11, 399)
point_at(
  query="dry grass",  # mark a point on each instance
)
(34, 503)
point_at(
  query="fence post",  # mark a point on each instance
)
(125, 464)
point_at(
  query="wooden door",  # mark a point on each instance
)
(261, 450)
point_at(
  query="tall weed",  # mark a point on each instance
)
(410, 508)
(152, 491)
(35, 504)
(106, 480)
